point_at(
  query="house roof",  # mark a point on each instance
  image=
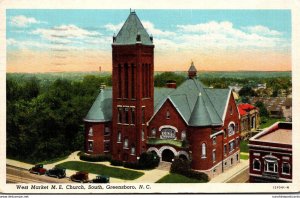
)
(197, 104)
(129, 31)
(245, 107)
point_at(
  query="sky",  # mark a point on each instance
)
(59, 40)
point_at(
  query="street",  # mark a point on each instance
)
(19, 175)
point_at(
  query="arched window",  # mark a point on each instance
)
(203, 153)
(256, 164)
(286, 168)
(231, 129)
(91, 131)
(132, 150)
(183, 135)
(168, 114)
(119, 136)
(153, 132)
(143, 135)
(126, 143)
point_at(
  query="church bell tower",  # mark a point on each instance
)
(133, 89)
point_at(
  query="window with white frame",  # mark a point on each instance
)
(106, 131)
(214, 155)
(286, 168)
(168, 114)
(271, 165)
(91, 131)
(119, 114)
(203, 153)
(126, 113)
(90, 145)
(143, 135)
(132, 152)
(231, 146)
(125, 143)
(225, 149)
(119, 136)
(132, 115)
(256, 164)
(231, 129)
(214, 140)
(153, 132)
(183, 135)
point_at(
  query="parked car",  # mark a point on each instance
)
(38, 169)
(80, 176)
(101, 179)
(56, 172)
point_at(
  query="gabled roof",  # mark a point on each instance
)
(129, 31)
(101, 110)
(196, 104)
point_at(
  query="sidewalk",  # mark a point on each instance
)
(230, 173)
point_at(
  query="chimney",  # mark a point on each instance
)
(171, 84)
(192, 72)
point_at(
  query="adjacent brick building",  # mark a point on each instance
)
(249, 119)
(190, 121)
(270, 154)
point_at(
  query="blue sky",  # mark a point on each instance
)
(208, 33)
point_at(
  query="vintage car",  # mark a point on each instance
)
(38, 169)
(80, 176)
(56, 172)
(101, 179)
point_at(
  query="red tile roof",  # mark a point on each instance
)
(244, 108)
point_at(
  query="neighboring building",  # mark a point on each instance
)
(287, 109)
(190, 121)
(249, 119)
(274, 105)
(270, 154)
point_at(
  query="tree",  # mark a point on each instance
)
(247, 91)
(262, 109)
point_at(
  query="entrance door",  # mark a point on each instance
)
(167, 155)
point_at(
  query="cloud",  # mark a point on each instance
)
(225, 35)
(154, 31)
(64, 32)
(23, 21)
(113, 27)
(149, 26)
(262, 30)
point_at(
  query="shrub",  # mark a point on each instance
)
(116, 162)
(95, 157)
(148, 160)
(132, 165)
(183, 167)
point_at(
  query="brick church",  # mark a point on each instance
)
(190, 121)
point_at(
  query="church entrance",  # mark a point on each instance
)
(167, 155)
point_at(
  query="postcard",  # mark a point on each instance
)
(102, 97)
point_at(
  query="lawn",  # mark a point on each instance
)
(102, 170)
(244, 157)
(270, 121)
(176, 178)
(244, 146)
(51, 161)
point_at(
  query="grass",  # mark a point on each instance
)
(102, 170)
(244, 146)
(270, 121)
(176, 178)
(51, 161)
(244, 157)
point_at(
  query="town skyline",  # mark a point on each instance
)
(80, 40)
